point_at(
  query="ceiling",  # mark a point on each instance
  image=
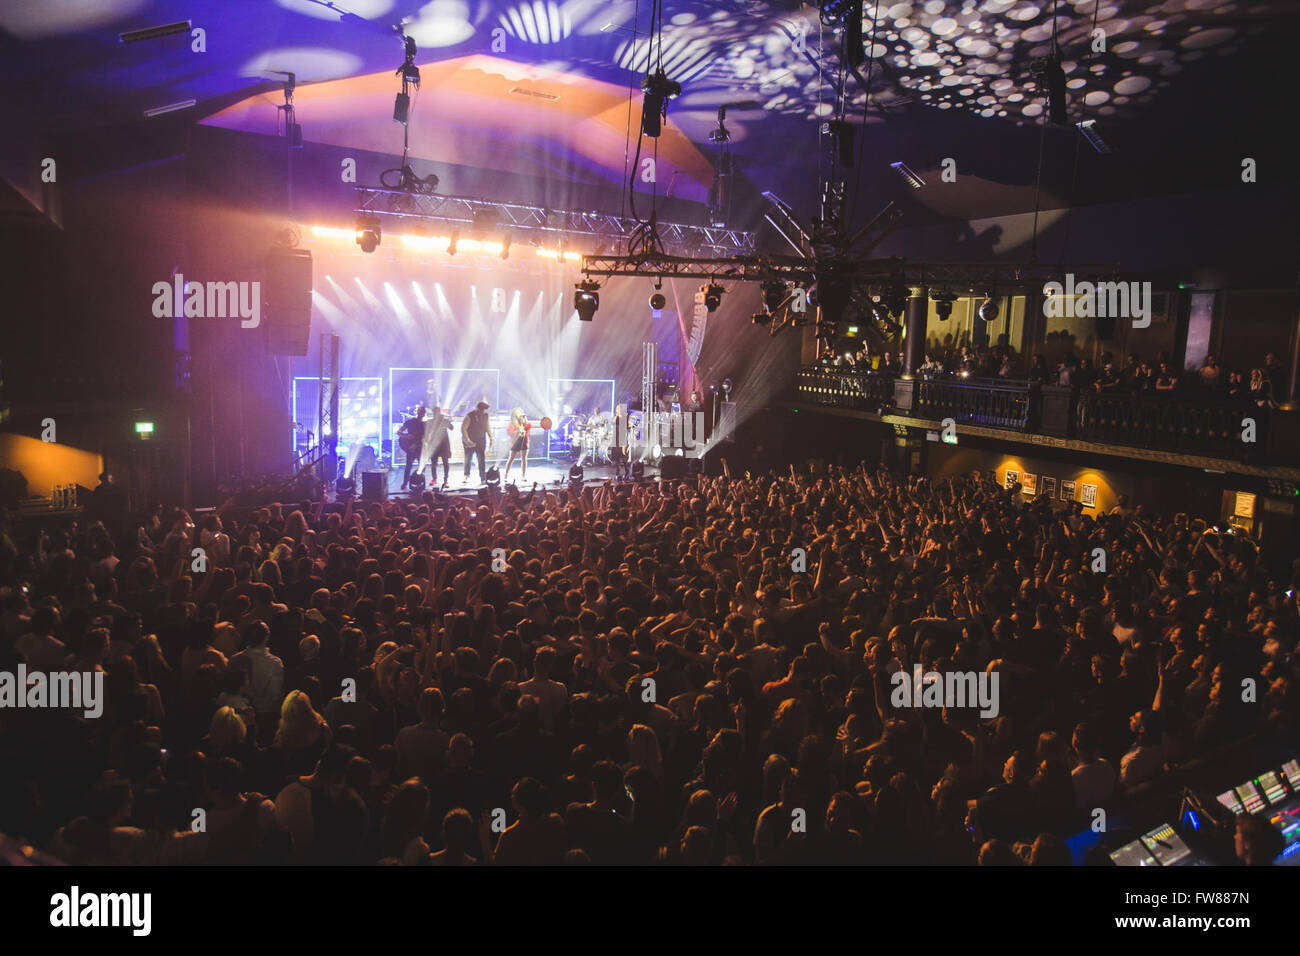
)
(774, 60)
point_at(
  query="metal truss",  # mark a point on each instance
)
(547, 225)
(876, 274)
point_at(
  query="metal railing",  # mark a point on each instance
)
(973, 402)
(863, 391)
(1198, 425)
(1170, 422)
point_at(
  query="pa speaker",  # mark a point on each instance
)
(672, 468)
(374, 486)
(286, 317)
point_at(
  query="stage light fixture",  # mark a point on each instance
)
(657, 302)
(774, 293)
(493, 476)
(658, 89)
(910, 177)
(586, 299)
(345, 487)
(712, 296)
(989, 308)
(417, 484)
(895, 301)
(575, 472)
(369, 233)
(943, 303)
(638, 470)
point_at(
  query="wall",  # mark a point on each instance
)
(46, 464)
(946, 461)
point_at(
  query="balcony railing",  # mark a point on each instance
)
(1197, 426)
(1232, 429)
(863, 391)
(973, 402)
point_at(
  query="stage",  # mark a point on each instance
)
(546, 474)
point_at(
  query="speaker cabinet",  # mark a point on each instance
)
(374, 486)
(286, 316)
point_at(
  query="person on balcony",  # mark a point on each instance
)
(1109, 379)
(1038, 372)
(1067, 373)
(1085, 376)
(1261, 389)
(1276, 374)
(1211, 373)
(1166, 379)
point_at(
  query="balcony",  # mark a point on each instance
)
(1175, 423)
(996, 404)
(863, 391)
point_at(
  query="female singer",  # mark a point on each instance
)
(518, 431)
(437, 445)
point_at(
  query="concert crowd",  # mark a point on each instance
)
(677, 673)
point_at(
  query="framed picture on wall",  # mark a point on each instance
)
(1088, 496)
(1029, 484)
(1011, 478)
(1049, 487)
(1067, 490)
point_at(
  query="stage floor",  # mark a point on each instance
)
(548, 474)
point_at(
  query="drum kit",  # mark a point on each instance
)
(588, 438)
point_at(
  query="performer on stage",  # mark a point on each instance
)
(437, 446)
(518, 432)
(476, 430)
(410, 438)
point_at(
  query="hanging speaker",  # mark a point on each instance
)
(286, 316)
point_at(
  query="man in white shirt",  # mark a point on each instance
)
(265, 673)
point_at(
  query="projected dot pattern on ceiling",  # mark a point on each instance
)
(776, 56)
(971, 56)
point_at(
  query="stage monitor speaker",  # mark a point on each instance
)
(672, 468)
(286, 317)
(374, 486)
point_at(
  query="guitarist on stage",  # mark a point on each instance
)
(476, 430)
(410, 438)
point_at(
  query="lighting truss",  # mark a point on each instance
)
(547, 225)
(882, 273)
